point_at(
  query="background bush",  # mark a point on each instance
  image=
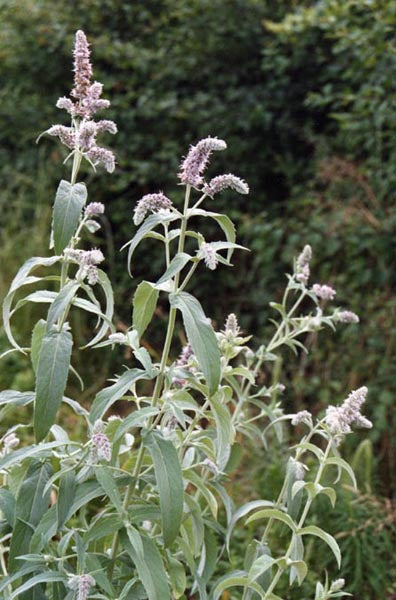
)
(304, 93)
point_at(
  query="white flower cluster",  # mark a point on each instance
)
(339, 419)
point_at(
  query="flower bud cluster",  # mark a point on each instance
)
(346, 316)
(101, 446)
(303, 416)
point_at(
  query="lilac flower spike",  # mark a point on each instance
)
(208, 253)
(150, 202)
(93, 209)
(346, 316)
(82, 584)
(222, 182)
(340, 418)
(85, 101)
(323, 291)
(194, 164)
(302, 264)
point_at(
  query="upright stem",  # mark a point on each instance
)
(158, 384)
(304, 514)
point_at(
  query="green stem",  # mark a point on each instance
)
(304, 514)
(158, 385)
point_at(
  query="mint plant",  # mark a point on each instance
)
(141, 507)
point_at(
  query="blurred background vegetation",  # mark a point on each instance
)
(304, 93)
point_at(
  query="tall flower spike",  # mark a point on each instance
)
(82, 68)
(222, 182)
(82, 584)
(302, 264)
(208, 253)
(194, 164)
(339, 419)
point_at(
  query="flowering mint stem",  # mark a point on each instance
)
(159, 381)
(304, 514)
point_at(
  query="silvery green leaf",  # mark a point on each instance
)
(61, 303)
(137, 418)
(225, 432)
(22, 278)
(103, 526)
(225, 223)
(105, 477)
(169, 479)
(191, 476)
(242, 512)
(326, 537)
(30, 505)
(177, 264)
(51, 377)
(273, 513)
(236, 579)
(144, 303)
(201, 336)
(45, 577)
(7, 505)
(342, 465)
(66, 494)
(105, 284)
(145, 554)
(106, 397)
(69, 202)
(177, 577)
(149, 224)
(38, 333)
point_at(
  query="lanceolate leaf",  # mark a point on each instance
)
(52, 371)
(104, 282)
(145, 554)
(326, 537)
(149, 224)
(61, 303)
(170, 483)
(224, 429)
(225, 223)
(176, 265)
(201, 337)
(144, 303)
(22, 278)
(37, 337)
(31, 504)
(69, 202)
(106, 397)
(66, 494)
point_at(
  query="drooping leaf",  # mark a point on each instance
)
(326, 537)
(149, 224)
(31, 504)
(224, 429)
(145, 554)
(225, 223)
(236, 579)
(107, 316)
(273, 513)
(106, 397)
(242, 512)
(104, 475)
(144, 303)
(51, 378)
(22, 278)
(169, 479)
(201, 336)
(69, 201)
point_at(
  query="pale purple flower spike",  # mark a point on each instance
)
(93, 209)
(302, 264)
(340, 418)
(323, 291)
(222, 182)
(346, 316)
(194, 164)
(303, 416)
(152, 203)
(208, 253)
(85, 102)
(83, 584)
